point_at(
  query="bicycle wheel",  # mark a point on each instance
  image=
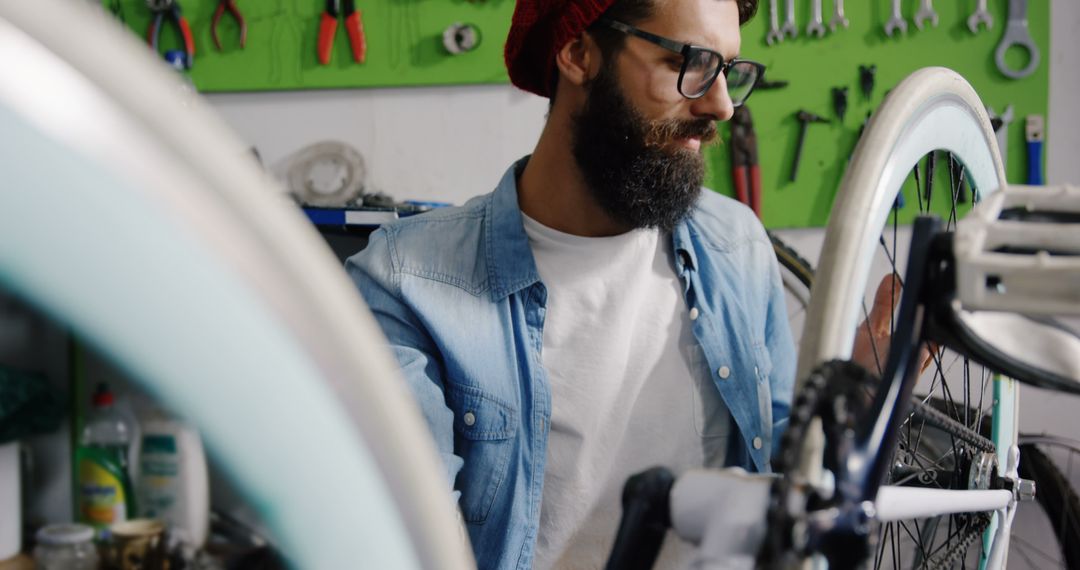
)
(1046, 533)
(1058, 502)
(932, 110)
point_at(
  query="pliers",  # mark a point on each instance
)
(219, 12)
(744, 160)
(170, 9)
(353, 25)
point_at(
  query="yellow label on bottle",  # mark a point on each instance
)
(101, 495)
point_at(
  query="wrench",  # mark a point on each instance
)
(789, 28)
(980, 16)
(897, 22)
(774, 36)
(816, 26)
(838, 19)
(1017, 34)
(1002, 132)
(926, 12)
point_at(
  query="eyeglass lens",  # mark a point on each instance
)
(702, 67)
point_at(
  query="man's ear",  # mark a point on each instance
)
(579, 60)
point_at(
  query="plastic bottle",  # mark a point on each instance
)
(173, 482)
(105, 494)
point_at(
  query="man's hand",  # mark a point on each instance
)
(871, 348)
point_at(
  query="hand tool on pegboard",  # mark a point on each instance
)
(354, 26)
(816, 27)
(838, 19)
(234, 11)
(897, 21)
(925, 14)
(866, 79)
(789, 28)
(805, 118)
(764, 84)
(840, 101)
(774, 36)
(980, 16)
(745, 171)
(1017, 35)
(168, 11)
(1000, 123)
(1033, 134)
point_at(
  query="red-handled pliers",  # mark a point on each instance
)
(744, 160)
(170, 9)
(219, 12)
(353, 25)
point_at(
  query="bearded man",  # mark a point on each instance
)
(598, 313)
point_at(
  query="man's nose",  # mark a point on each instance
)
(715, 103)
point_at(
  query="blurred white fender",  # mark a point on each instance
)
(131, 214)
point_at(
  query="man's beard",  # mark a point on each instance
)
(632, 166)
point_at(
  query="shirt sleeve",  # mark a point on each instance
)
(375, 273)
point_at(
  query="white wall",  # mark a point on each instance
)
(444, 144)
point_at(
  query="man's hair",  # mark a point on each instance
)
(633, 12)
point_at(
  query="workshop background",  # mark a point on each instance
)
(435, 127)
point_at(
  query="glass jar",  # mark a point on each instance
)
(66, 547)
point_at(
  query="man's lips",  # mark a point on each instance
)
(692, 143)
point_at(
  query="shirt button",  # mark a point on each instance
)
(469, 418)
(757, 443)
(724, 372)
(693, 314)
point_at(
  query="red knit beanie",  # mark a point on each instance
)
(539, 29)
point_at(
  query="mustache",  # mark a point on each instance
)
(663, 132)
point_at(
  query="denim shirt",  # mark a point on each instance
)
(458, 295)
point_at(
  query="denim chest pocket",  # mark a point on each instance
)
(484, 427)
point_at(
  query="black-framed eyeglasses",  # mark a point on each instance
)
(701, 66)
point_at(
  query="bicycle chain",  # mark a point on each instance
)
(838, 377)
(936, 418)
(948, 559)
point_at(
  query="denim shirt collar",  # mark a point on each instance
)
(511, 266)
(510, 261)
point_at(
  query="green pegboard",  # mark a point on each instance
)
(404, 44)
(404, 49)
(814, 66)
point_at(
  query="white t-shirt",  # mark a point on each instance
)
(628, 387)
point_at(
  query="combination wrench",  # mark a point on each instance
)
(926, 12)
(980, 16)
(789, 28)
(838, 19)
(816, 27)
(1017, 34)
(897, 21)
(774, 36)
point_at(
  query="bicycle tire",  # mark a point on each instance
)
(797, 275)
(1057, 498)
(933, 109)
(792, 261)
